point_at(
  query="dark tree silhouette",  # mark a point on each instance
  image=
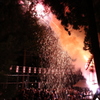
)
(75, 13)
(17, 32)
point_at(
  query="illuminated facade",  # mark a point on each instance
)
(92, 78)
(24, 77)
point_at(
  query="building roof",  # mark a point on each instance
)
(81, 84)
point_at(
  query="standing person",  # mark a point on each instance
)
(36, 95)
(97, 94)
(47, 95)
(55, 95)
(51, 96)
(42, 94)
(66, 92)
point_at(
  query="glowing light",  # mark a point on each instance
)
(57, 57)
(21, 2)
(40, 10)
(92, 86)
(97, 99)
(85, 57)
(91, 78)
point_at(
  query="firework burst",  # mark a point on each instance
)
(60, 70)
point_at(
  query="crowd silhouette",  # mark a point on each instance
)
(45, 94)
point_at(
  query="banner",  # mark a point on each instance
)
(24, 69)
(17, 69)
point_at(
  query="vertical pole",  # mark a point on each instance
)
(17, 81)
(24, 63)
(6, 86)
(94, 39)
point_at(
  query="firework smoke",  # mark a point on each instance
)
(73, 44)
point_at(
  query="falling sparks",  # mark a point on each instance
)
(57, 61)
(74, 46)
(55, 46)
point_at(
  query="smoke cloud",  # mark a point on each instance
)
(73, 44)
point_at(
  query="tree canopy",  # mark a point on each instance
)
(73, 12)
(17, 31)
(76, 14)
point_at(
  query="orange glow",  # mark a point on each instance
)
(72, 44)
(91, 78)
(85, 57)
